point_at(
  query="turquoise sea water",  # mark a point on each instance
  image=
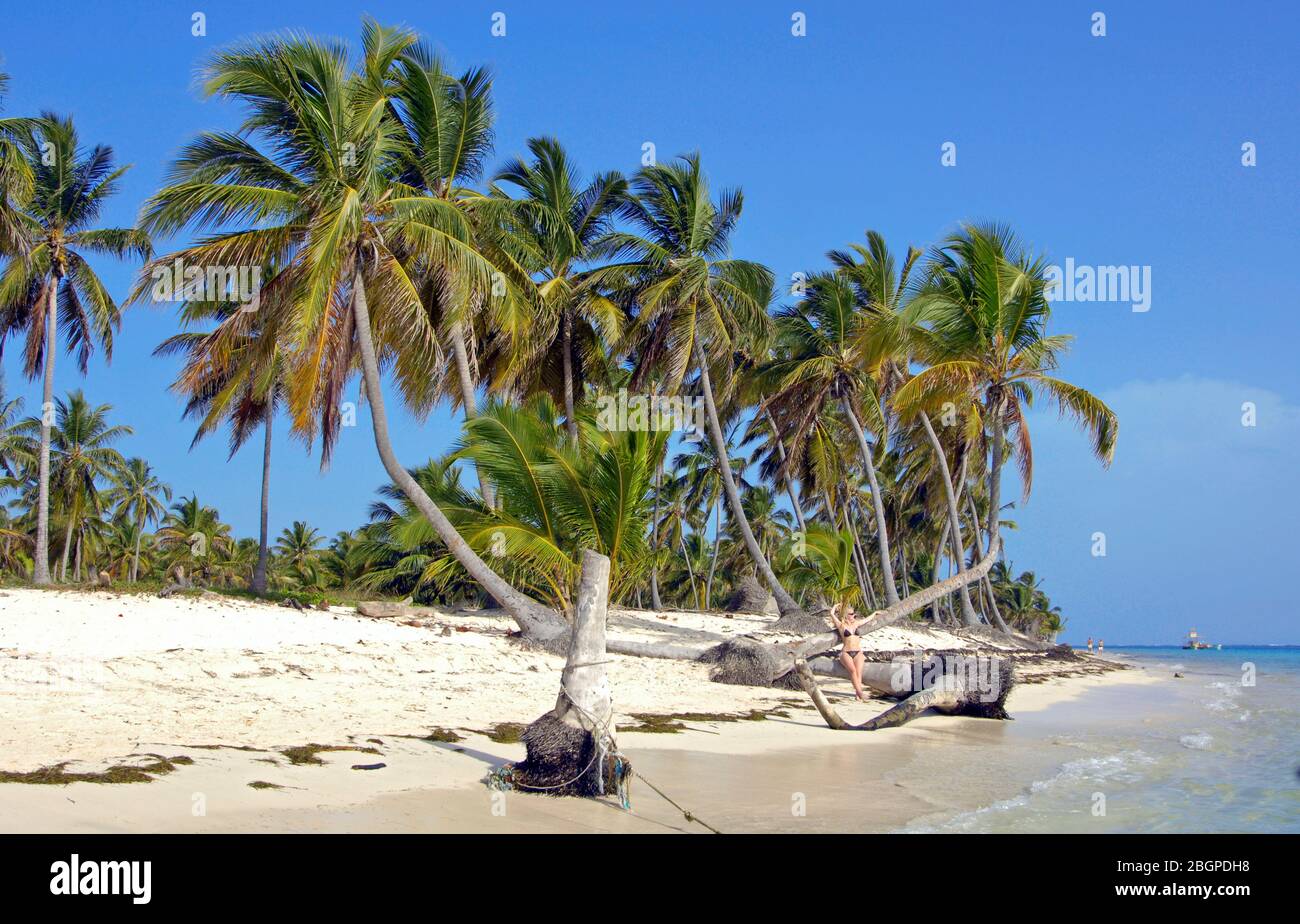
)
(1215, 751)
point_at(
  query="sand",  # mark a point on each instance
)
(94, 680)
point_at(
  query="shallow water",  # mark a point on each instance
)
(1211, 753)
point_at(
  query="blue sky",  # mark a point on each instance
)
(1115, 150)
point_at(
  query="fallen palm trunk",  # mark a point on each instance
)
(745, 661)
(954, 687)
(571, 749)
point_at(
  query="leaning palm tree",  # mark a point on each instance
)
(985, 311)
(138, 496)
(315, 175)
(559, 220)
(697, 308)
(50, 284)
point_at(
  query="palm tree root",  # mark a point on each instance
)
(563, 759)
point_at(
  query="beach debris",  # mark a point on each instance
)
(306, 753)
(369, 766)
(384, 609)
(951, 687)
(58, 775)
(752, 597)
(180, 581)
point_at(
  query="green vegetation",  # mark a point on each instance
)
(878, 401)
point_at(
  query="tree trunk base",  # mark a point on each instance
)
(563, 760)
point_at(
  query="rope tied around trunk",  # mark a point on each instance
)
(605, 747)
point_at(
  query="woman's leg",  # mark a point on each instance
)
(855, 672)
(858, 659)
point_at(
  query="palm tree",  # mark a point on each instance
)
(82, 458)
(985, 311)
(315, 173)
(824, 365)
(559, 221)
(139, 497)
(697, 308)
(50, 283)
(345, 560)
(824, 564)
(16, 179)
(881, 293)
(298, 544)
(701, 474)
(480, 305)
(229, 377)
(557, 499)
(15, 447)
(194, 534)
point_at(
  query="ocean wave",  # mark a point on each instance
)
(1225, 697)
(1197, 742)
(1122, 767)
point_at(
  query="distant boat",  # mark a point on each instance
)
(1194, 642)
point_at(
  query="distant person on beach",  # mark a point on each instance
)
(1101, 645)
(1089, 644)
(851, 652)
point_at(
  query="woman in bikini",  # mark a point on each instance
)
(851, 650)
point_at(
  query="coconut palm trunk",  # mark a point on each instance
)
(690, 571)
(571, 422)
(41, 567)
(988, 585)
(656, 603)
(995, 476)
(935, 614)
(536, 621)
(789, 485)
(785, 603)
(135, 557)
(954, 518)
(713, 558)
(468, 398)
(878, 503)
(263, 549)
(67, 549)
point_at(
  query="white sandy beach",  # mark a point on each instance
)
(100, 680)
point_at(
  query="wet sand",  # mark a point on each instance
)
(787, 774)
